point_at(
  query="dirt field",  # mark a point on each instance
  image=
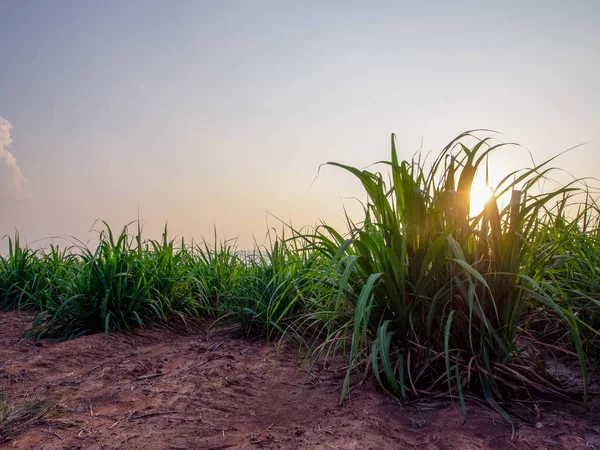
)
(167, 390)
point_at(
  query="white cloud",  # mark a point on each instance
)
(12, 182)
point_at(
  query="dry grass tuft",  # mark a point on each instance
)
(18, 415)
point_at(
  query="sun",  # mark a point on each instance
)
(480, 194)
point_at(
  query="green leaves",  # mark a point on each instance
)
(417, 292)
(122, 283)
(447, 283)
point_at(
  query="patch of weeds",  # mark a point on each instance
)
(18, 415)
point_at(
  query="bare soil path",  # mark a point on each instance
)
(162, 389)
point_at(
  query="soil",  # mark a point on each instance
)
(166, 389)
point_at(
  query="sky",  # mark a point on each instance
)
(210, 114)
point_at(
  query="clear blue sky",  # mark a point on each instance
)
(205, 113)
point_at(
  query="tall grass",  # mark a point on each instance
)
(20, 276)
(30, 279)
(571, 275)
(217, 271)
(430, 295)
(124, 282)
(417, 293)
(280, 281)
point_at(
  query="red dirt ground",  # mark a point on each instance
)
(163, 389)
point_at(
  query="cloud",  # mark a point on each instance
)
(12, 182)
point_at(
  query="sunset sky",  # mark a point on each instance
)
(217, 113)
